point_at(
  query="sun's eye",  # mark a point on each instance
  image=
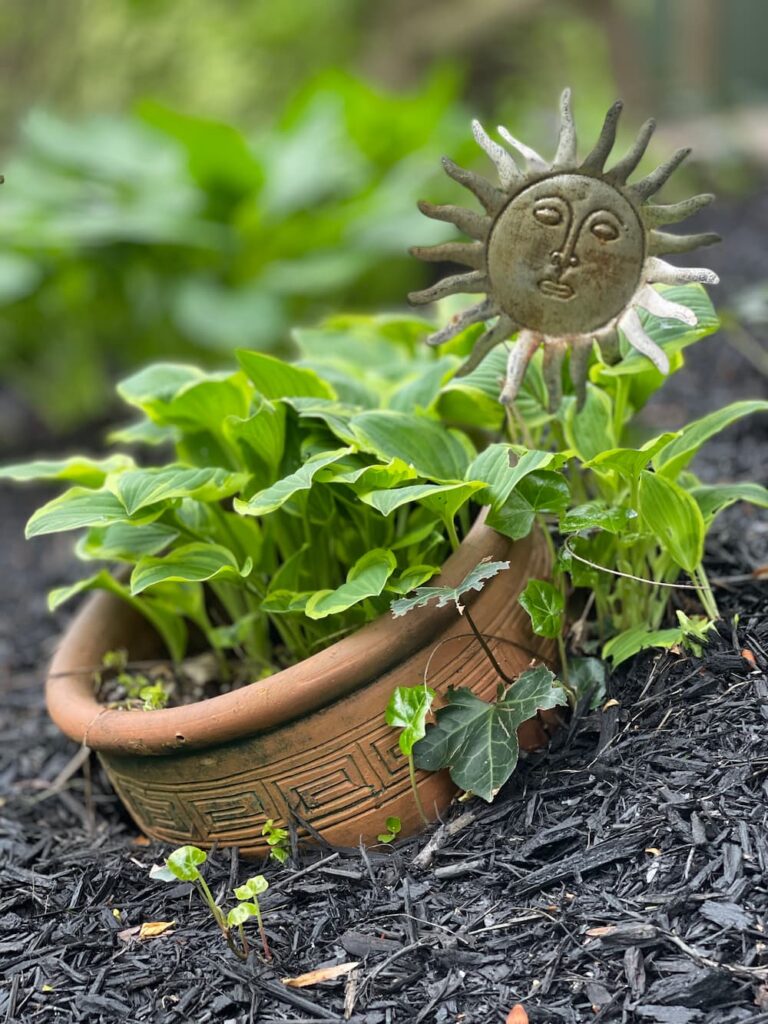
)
(605, 231)
(549, 215)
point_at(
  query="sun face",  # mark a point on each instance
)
(565, 253)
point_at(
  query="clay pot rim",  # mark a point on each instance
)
(292, 693)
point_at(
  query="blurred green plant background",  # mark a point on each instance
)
(188, 176)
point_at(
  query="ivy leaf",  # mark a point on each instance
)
(545, 605)
(586, 677)
(474, 580)
(477, 740)
(407, 710)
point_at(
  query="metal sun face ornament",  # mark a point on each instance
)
(565, 252)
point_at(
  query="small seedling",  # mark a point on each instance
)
(407, 710)
(393, 827)
(277, 840)
(183, 866)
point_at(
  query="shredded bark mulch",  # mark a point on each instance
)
(620, 877)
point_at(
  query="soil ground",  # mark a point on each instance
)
(621, 876)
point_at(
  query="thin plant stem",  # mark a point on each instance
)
(262, 933)
(415, 788)
(452, 535)
(487, 650)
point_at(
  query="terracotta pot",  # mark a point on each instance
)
(312, 737)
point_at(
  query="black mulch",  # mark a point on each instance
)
(622, 876)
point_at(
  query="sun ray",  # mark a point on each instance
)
(501, 330)
(508, 171)
(660, 272)
(473, 224)
(565, 156)
(635, 334)
(520, 355)
(651, 184)
(654, 302)
(460, 321)
(661, 242)
(492, 198)
(581, 350)
(655, 216)
(618, 174)
(535, 161)
(471, 254)
(595, 162)
(475, 281)
(608, 342)
(554, 355)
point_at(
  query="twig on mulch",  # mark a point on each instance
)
(447, 831)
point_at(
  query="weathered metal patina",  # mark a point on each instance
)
(565, 252)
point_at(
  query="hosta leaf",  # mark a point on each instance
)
(628, 643)
(412, 577)
(629, 462)
(407, 710)
(672, 515)
(367, 578)
(143, 432)
(420, 389)
(474, 580)
(335, 415)
(364, 478)
(190, 563)
(140, 488)
(545, 605)
(493, 468)
(676, 455)
(443, 499)
(477, 740)
(597, 515)
(184, 861)
(160, 381)
(590, 430)
(76, 508)
(261, 438)
(275, 378)
(714, 498)
(126, 542)
(78, 470)
(164, 617)
(434, 452)
(273, 497)
(204, 405)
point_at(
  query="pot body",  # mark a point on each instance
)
(312, 739)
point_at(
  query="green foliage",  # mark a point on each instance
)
(393, 828)
(277, 840)
(474, 580)
(407, 710)
(634, 515)
(183, 865)
(296, 503)
(477, 739)
(545, 605)
(160, 233)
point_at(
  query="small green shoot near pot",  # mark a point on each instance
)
(277, 840)
(393, 827)
(248, 894)
(183, 865)
(407, 710)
